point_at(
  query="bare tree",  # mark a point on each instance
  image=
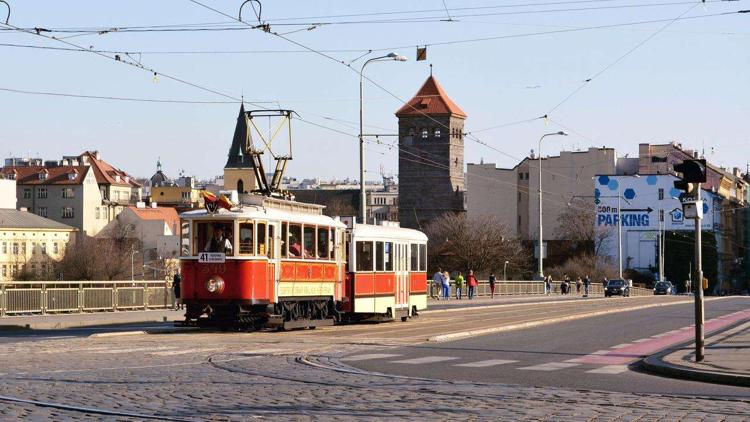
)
(596, 268)
(339, 207)
(577, 228)
(99, 259)
(482, 244)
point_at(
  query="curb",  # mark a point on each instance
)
(493, 330)
(655, 364)
(506, 305)
(83, 323)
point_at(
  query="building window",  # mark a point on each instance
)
(23, 248)
(5, 270)
(42, 176)
(425, 133)
(33, 248)
(68, 193)
(42, 212)
(661, 215)
(67, 212)
(185, 196)
(661, 194)
(27, 194)
(55, 248)
(71, 176)
(15, 248)
(5, 248)
(41, 193)
(96, 212)
(43, 246)
(437, 133)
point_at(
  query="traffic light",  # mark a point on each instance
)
(692, 172)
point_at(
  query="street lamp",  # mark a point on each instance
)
(560, 133)
(505, 275)
(132, 262)
(362, 194)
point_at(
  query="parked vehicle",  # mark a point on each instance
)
(617, 287)
(663, 288)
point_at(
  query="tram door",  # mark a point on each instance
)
(273, 253)
(402, 277)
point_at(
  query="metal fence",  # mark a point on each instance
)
(46, 297)
(519, 287)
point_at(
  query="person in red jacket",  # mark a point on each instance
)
(471, 281)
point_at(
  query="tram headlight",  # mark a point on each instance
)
(215, 284)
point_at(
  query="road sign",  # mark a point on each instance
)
(211, 257)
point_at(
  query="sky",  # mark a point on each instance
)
(682, 77)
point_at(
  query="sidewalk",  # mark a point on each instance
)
(60, 321)
(727, 359)
(434, 304)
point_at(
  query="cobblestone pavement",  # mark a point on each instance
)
(244, 376)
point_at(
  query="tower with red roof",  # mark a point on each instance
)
(431, 156)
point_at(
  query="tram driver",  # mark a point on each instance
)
(219, 242)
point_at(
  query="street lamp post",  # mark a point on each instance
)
(539, 152)
(505, 274)
(362, 193)
(132, 262)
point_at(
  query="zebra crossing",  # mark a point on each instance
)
(393, 358)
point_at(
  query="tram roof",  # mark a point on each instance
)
(263, 213)
(387, 233)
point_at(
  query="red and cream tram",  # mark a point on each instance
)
(276, 262)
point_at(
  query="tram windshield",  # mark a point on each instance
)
(214, 236)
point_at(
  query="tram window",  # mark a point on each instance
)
(309, 242)
(379, 256)
(364, 256)
(422, 257)
(261, 238)
(295, 234)
(246, 238)
(271, 242)
(214, 236)
(323, 242)
(284, 239)
(184, 238)
(414, 257)
(388, 256)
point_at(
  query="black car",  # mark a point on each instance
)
(663, 288)
(618, 287)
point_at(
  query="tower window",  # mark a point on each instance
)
(437, 133)
(425, 133)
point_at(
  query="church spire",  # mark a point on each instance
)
(236, 157)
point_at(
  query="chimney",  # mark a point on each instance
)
(695, 154)
(153, 204)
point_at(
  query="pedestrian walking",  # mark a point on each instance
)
(437, 283)
(492, 285)
(459, 286)
(687, 286)
(579, 284)
(176, 281)
(472, 282)
(548, 284)
(586, 283)
(446, 286)
(566, 281)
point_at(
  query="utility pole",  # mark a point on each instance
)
(698, 289)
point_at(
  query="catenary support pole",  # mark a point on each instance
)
(698, 286)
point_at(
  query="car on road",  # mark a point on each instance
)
(617, 287)
(663, 288)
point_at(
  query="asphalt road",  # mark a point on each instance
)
(542, 356)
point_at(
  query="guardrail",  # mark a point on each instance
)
(47, 297)
(521, 287)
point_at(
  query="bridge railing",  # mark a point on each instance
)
(522, 287)
(47, 297)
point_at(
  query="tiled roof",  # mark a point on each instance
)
(29, 175)
(105, 173)
(166, 214)
(15, 219)
(430, 99)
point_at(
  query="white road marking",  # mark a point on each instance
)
(262, 351)
(620, 346)
(426, 359)
(135, 349)
(486, 363)
(576, 360)
(183, 352)
(641, 340)
(368, 357)
(609, 369)
(600, 352)
(551, 366)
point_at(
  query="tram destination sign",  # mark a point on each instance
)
(211, 257)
